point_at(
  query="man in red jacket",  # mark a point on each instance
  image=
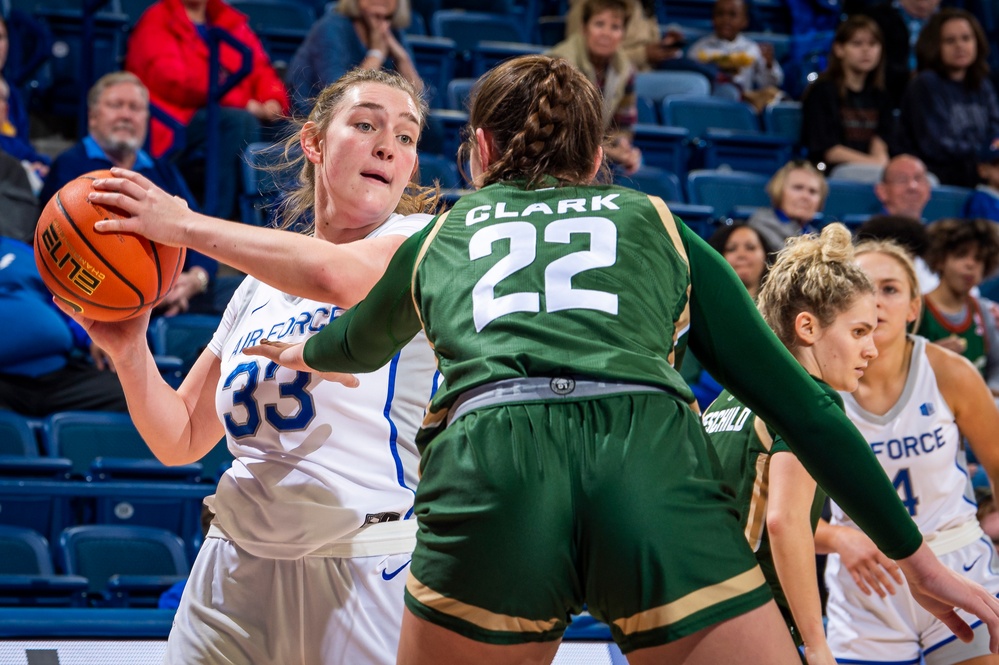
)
(168, 51)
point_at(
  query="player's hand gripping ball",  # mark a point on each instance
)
(103, 276)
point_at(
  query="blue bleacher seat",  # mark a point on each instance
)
(487, 54)
(849, 199)
(726, 190)
(82, 436)
(281, 26)
(946, 201)
(136, 505)
(27, 577)
(654, 181)
(702, 219)
(551, 30)
(467, 29)
(457, 93)
(699, 114)
(729, 133)
(41, 511)
(655, 86)
(16, 435)
(125, 566)
(691, 13)
(184, 336)
(435, 59)
(783, 119)
(663, 147)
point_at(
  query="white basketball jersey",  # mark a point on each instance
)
(918, 444)
(314, 460)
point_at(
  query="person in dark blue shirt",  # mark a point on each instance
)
(47, 363)
(118, 120)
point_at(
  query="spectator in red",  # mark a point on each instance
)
(168, 51)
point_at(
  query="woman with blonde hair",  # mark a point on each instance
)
(797, 193)
(313, 525)
(821, 306)
(914, 404)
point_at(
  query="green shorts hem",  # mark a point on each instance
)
(477, 633)
(715, 614)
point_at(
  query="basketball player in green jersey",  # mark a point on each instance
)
(821, 306)
(561, 461)
(962, 252)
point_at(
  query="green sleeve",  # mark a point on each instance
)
(736, 346)
(371, 332)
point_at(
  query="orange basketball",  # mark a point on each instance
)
(103, 276)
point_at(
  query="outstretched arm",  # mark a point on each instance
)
(369, 334)
(789, 525)
(290, 262)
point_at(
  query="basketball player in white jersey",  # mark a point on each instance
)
(914, 403)
(307, 555)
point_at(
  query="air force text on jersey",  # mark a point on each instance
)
(297, 327)
(911, 446)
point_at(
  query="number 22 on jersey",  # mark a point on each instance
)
(558, 290)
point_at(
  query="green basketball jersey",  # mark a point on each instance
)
(745, 445)
(520, 283)
(935, 326)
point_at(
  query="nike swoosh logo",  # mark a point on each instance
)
(261, 307)
(386, 575)
(971, 565)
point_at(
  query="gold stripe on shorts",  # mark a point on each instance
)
(695, 601)
(472, 614)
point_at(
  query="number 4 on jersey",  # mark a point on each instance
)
(903, 483)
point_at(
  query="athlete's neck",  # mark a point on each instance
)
(885, 376)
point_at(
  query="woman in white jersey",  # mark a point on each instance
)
(914, 403)
(308, 551)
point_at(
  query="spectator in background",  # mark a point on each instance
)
(747, 251)
(596, 51)
(984, 202)
(118, 118)
(14, 123)
(643, 45)
(47, 362)
(749, 255)
(846, 113)
(168, 51)
(901, 21)
(904, 189)
(359, 33)
(950, 109)
(797, 192)
(741, 62)
(962, 252)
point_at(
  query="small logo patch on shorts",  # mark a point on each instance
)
(561, 385)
